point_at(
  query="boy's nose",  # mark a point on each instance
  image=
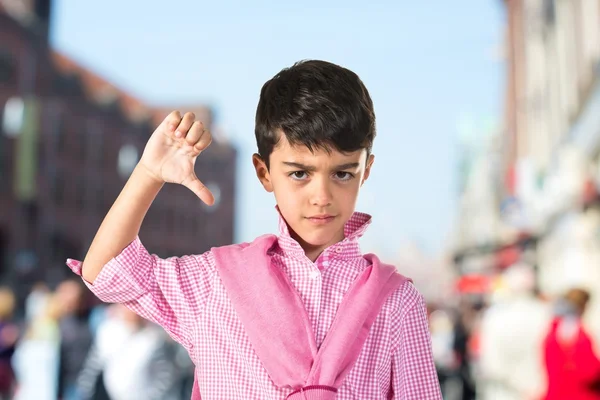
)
(321, 195)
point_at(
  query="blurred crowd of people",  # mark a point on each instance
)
(514, 344)
(67, 346)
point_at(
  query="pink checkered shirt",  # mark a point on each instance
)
(186, 297)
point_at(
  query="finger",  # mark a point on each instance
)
(194, 133)
(185, 125)
(204, 141)
(200, 190)
(171, 121)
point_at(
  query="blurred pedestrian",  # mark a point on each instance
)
(75, 335)
(572, 367)
(512, 336)
(131, 359)
(36, 359)
(9, 333)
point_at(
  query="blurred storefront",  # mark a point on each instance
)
(489, 233)
(533, 194)
(552, 137)
(68, 141)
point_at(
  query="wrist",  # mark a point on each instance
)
(144, 173)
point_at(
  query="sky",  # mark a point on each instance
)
(427, 65)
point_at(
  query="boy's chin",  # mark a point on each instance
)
(320, 239)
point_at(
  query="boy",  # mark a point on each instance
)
(301, 315)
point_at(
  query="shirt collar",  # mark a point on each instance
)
(348, 248)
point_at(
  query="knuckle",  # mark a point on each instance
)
(202, 144)
(194, 133)
(190, 139)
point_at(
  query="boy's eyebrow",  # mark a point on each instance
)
(299, 166)
(348, 166)
(312, 168)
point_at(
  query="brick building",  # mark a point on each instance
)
(68, 141)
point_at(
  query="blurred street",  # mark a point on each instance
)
(513, 291)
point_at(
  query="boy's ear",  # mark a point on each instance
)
(262, 172)
(368, 166)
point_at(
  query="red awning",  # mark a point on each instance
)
(473, 283)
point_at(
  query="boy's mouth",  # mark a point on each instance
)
(321, 219)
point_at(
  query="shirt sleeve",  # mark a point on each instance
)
(413, 371)
(170, 292)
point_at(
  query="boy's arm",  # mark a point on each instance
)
(170, 292)
(169, 156)
(413, 371)
(122, 223)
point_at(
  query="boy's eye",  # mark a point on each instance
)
(343, 176)
(298, 175)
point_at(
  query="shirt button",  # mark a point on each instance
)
(314, 274)
(338, 249)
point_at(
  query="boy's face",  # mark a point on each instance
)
(316, 191)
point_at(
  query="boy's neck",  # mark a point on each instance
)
(313, 252)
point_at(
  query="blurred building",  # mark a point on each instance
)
(478, 224)
(552, 140)
(532, 192)
(484, 242)
(68, 142)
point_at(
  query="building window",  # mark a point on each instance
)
(95, 142)
(549, 10)
(59, 134)
(83, 142)
(3, 169)
(3, 251)
(80, 194)
(58, 188)
(99, 200)
(161, 218)
(7, 67)
(128, 159)
(183, 224)
(13, 116)
(67, 85)
(171, 223)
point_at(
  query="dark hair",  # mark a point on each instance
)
(316, 104)
(578, 298)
